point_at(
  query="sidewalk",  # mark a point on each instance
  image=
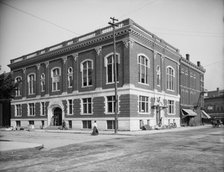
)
(10, 145)
(130, 133)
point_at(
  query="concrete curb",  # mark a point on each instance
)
(129, 133)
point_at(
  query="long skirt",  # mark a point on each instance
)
(95, 131)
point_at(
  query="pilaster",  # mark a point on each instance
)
(64, 75)
(38, 79)
(75, 72)
(24, 92)
(99, 67)
(47, 78)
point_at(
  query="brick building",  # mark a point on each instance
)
(74, 81)
(191, 91)
(214, 104)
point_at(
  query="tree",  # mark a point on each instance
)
(7, 86)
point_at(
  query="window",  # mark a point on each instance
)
(87, 124)
(170, 106)
(18, 110)
(31, 79)
(70, 106)
(109, 64)
(141, 124)
(55, 75)
(158, 75)
(110, 124)
(143, 104)
(70, 123)
(19, 86)
(202, 83)
(110, 104)
(87, 105)
(18, 123)
(148, 122)
(70, 77)
(42, 82)
(42, 123)
(31, 109)
(31, 122)
(170, 78)
(43, 107)
(87, 73)
(143, 65)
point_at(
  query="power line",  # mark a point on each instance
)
(135, 10)
(42, 19)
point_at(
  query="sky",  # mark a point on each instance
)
(195, 27)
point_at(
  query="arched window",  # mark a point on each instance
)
(109, 64)
(55, 75)
(42, 82)
(19, 86)
(143, 66)
(31, 80)
(70, 77)
(170, 74)
(158, 73)
(87, 73)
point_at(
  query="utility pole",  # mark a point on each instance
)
(113, 24)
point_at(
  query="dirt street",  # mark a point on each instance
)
(193, 150)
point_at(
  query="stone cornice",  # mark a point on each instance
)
(71, 48)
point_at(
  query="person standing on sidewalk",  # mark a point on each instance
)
(95, 130)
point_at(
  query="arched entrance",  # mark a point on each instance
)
(57, 117)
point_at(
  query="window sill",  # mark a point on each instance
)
(87, 86)
(170, 90)
(172, 114)
(55, 91)
(143, 84)
(86, 114)
(109, 83)
(144, 113)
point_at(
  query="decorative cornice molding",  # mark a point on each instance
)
(128, 43)
(98, 50)
(64, 59)
(38, 66)
(75, 56)
(46, 64)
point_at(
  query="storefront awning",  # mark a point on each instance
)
(188, 112)
(205, 115)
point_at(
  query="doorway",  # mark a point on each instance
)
(57, 117)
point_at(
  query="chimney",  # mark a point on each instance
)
(217, 91)
(198, 63)
(188, 57)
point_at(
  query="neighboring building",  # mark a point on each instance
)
(74, 81)
(214, 104)
(191, 91)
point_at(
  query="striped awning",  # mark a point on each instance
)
(205, 115)
(188, 112)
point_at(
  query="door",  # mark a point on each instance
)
(57, 118)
